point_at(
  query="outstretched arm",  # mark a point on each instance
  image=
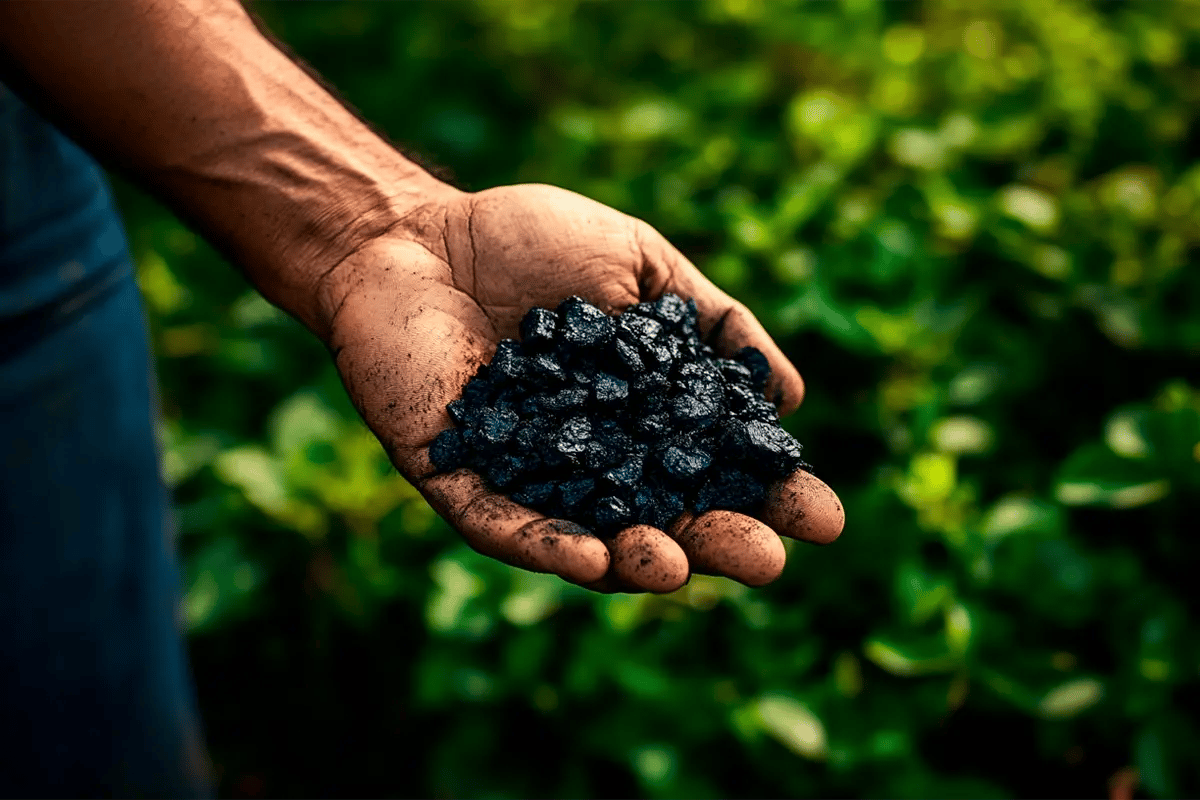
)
(409, 282)
(192, 100)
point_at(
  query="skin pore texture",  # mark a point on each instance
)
(409, 282)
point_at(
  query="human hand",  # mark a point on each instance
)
(417, 310)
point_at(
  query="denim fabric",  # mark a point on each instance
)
(96, 698)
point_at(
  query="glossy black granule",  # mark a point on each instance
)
(613, 421)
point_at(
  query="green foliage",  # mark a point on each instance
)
(970, 226)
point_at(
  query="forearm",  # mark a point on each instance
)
(194, 103)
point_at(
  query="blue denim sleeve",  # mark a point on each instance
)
(96, 697)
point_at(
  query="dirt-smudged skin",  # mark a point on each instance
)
(646, 557)
(805, 506)
(735, 545)
(623, 420)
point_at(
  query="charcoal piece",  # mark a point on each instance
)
(671, 310)
(650, 383)
(628, 359)
(477, 393)
(459, 411)
(700, 371)
(618, 445)
(734, 371)
(495, 425)
(529, 463)
(573, 493)
(583, 325)
(447, 451)
(646, 309)
(653, 425)
(544, 370)
(611, 514)
(733, 490)
(508, 362)
(504, 471)
(609, 390)
(741, 399)
(564, 400)
(596, 456)
(606, 429)
(762, 410)
(654, 404)
(683, 463)
(697, 408)
(638, 330)
(756, 362)
(571, 439)
(660, 355)
(538, 328)
(772, 447)
(627, 475)
(663, 510)
(525, 438)
(535, 495)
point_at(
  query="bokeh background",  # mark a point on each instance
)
(974, 228)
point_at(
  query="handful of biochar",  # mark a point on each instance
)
(614, 421)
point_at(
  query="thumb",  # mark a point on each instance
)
(725, 324)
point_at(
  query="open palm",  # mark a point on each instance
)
(418, 311)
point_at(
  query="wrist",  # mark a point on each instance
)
(382, 244)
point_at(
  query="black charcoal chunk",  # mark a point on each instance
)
(666, 508)
(627, 475)
(573, 493)
(756, 362)
(608, 389)
(653, 425)
(672, 311)
(458, 411)
(628, 358)
(447, 451)
(700, 371)
(535, 495)
(650, 383)
(504, 471)
(660, 355)
(538, 328)
(526, 437)
(597, 457)
(698, 406)
(583, 325)
(734, 372)
(476, 393)
(740, 399)
(638, 330)
(495, 425)
(565, 400)
(683, 463)
(572, 437)
(545, 371)
(733, 490)
(611, 514)
(508, 361)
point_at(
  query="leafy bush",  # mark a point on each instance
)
(971, 228)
